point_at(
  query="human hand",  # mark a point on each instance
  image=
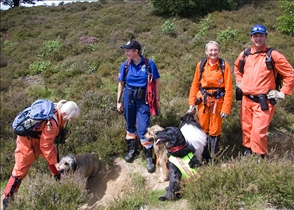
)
(56, 166)
(274, 94)
(192, 110)
(223, 115)
(119, 107)
(238, 85)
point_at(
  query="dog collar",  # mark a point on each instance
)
(176, 148)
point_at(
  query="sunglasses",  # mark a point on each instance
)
(258, 29)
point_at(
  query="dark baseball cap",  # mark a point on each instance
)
(258, 29)
(132, 44)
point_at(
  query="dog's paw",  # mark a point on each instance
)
(160, 180)
(169, 196)
(194, 163)
(178, 195)
(162, 198)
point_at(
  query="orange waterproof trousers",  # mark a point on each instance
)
(255, 124)
(209, 116)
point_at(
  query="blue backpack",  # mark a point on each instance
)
(27, 121)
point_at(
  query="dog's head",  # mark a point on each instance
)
(150, 134)
(189, 119)
(67, 164)
(172, 137)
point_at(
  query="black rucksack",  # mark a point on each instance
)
(270, 63)
(203, 62)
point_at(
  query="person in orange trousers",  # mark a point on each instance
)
(28, 149)
(212, 93)
(257, 82)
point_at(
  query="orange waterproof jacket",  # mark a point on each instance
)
(33, 147)
(257, 79)
(212, 77)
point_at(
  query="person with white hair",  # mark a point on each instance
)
(211, 92)
(28, 148)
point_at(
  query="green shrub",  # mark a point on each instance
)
(286, 21)
(204, 25)
(191, 8)
(93, 46)
(227, 34)
(39, 66)
(169, 27)
(49, 46)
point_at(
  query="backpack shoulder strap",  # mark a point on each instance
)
(278, 77)
(222, 64)
(202, 64)
(269, 52)
(147, 64)
(127, 64)
(56, 119)
(246, 52)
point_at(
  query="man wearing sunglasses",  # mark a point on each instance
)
(256, 80)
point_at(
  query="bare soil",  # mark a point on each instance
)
(117, 180)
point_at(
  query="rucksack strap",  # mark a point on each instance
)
(126, 69)
(146, 60)
(55, 118)
(203, 62)
(268, 51)
(127, 64)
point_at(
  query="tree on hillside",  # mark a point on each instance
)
(16, 3)
(190, 8)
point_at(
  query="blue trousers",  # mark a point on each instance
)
(137, 114)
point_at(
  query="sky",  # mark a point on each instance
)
(44, 3)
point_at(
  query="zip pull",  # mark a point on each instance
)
(49, 126)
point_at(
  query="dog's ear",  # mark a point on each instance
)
(73, 166)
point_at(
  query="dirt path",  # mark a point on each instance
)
(116, 181)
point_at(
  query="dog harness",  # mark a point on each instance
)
(183, 165)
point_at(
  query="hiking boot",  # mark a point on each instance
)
(206, 155)
(131, 148)
(5, 203)
(149, 160)
(260, 158)
(150, 165)
(214, 144)
(247, 151)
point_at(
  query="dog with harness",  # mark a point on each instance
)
(181, 149)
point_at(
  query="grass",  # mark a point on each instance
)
(47, 52)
